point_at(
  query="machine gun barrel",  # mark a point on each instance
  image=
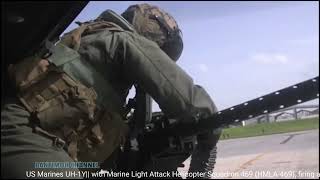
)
(283, 98)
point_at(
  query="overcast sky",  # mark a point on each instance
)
(240, 50)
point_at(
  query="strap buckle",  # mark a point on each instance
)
(58, 142)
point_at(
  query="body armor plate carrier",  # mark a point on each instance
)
(63, 106)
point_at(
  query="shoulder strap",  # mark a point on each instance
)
(111, 16)
(62, 54)
(72, 39)
(111, 21)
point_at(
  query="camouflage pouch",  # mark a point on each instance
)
(59, 102)
(108, 133)
(27, 71)
(67, 109)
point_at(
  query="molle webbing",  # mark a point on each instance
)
(77, 68)
(41, 95)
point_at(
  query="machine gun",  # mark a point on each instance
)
(283, 98)
(162, 138)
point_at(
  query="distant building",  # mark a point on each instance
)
(287, 114)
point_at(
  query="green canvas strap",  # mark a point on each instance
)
(62, 54)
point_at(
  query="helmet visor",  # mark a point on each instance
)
(173, 46)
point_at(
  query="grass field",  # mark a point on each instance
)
(270, 128)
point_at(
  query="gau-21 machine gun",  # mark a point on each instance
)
(158, 138)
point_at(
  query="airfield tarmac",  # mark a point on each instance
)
(292, 155)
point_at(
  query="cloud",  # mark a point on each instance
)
(203, 67)
(273, 59)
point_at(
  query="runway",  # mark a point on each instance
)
(284, 156)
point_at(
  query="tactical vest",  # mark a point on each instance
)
(72, 100)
